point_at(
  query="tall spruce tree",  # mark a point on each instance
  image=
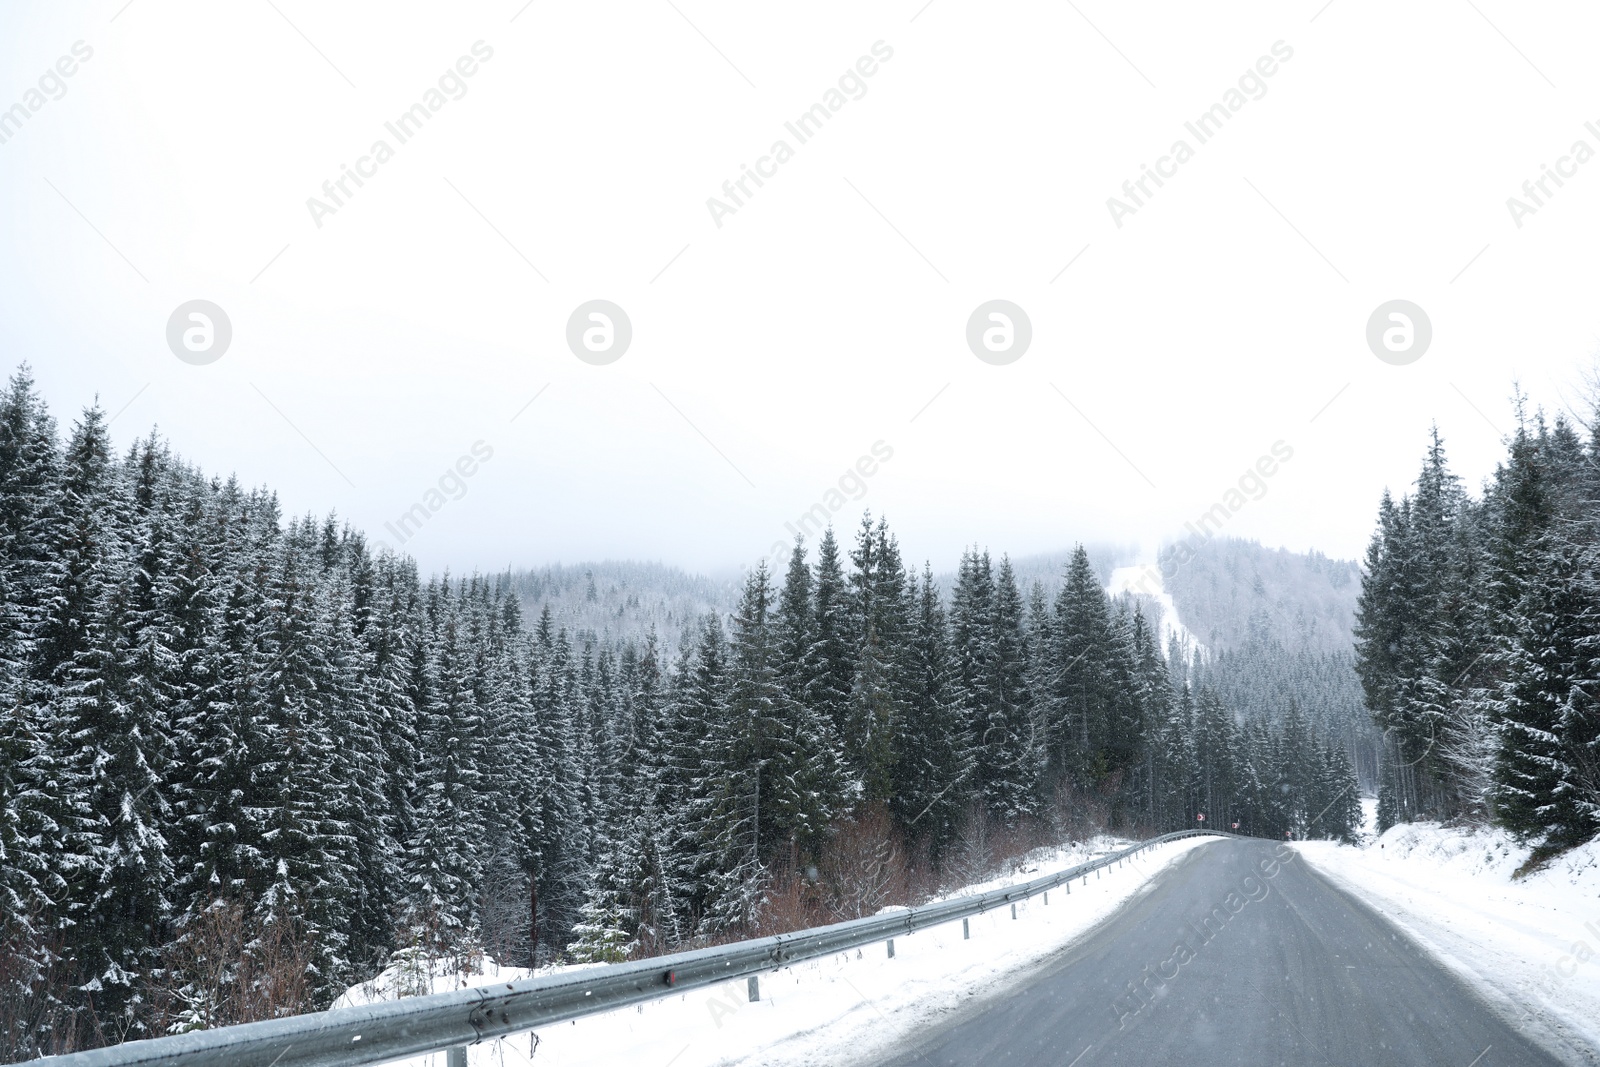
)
(933, 745)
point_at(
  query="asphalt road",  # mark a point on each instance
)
(1238, 953)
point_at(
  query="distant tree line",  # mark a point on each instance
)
(246, 762)
(1478, 640)
(1262, 678)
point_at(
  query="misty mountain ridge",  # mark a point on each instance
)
(1230, 594)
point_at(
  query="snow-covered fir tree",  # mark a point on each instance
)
(228, 734)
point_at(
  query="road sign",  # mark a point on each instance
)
(1201, 817)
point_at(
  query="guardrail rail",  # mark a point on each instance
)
(449, 1022)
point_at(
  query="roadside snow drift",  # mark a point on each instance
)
(844, 1008)
(1531, 946)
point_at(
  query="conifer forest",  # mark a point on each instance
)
(249, 759)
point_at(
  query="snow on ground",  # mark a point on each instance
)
(1146, 578)
(1531, 946)
(847, 1008)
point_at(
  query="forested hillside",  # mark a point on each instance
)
(610, 602)
(245, 761)
(1232, 593)
(1479, 640)
(1266, 681)
(1276, 626)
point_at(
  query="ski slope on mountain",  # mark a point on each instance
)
(1145, 578)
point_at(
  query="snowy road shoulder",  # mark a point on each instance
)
(848, 1008)
(1530, 946)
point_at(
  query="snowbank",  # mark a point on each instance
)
(851, 1007)
(1531, 946)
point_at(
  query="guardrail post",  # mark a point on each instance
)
(456, 1057)
(966, 932)
(891, 948)
(755, 989)
(1047, 898)
(1013, 911)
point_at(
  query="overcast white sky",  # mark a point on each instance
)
(370, 353)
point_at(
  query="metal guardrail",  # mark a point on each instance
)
(414, 1026)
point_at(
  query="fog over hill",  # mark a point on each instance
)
(1231, 593)
(1270, 628)
(613, 600)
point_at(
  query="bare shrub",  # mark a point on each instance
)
(922, 874)
(35, 1019)
(233, 963)
(863, 865)
(973, 857)
(866, 866)
(506, 910)
(276, 971)
(425, 938)
(794, 901)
